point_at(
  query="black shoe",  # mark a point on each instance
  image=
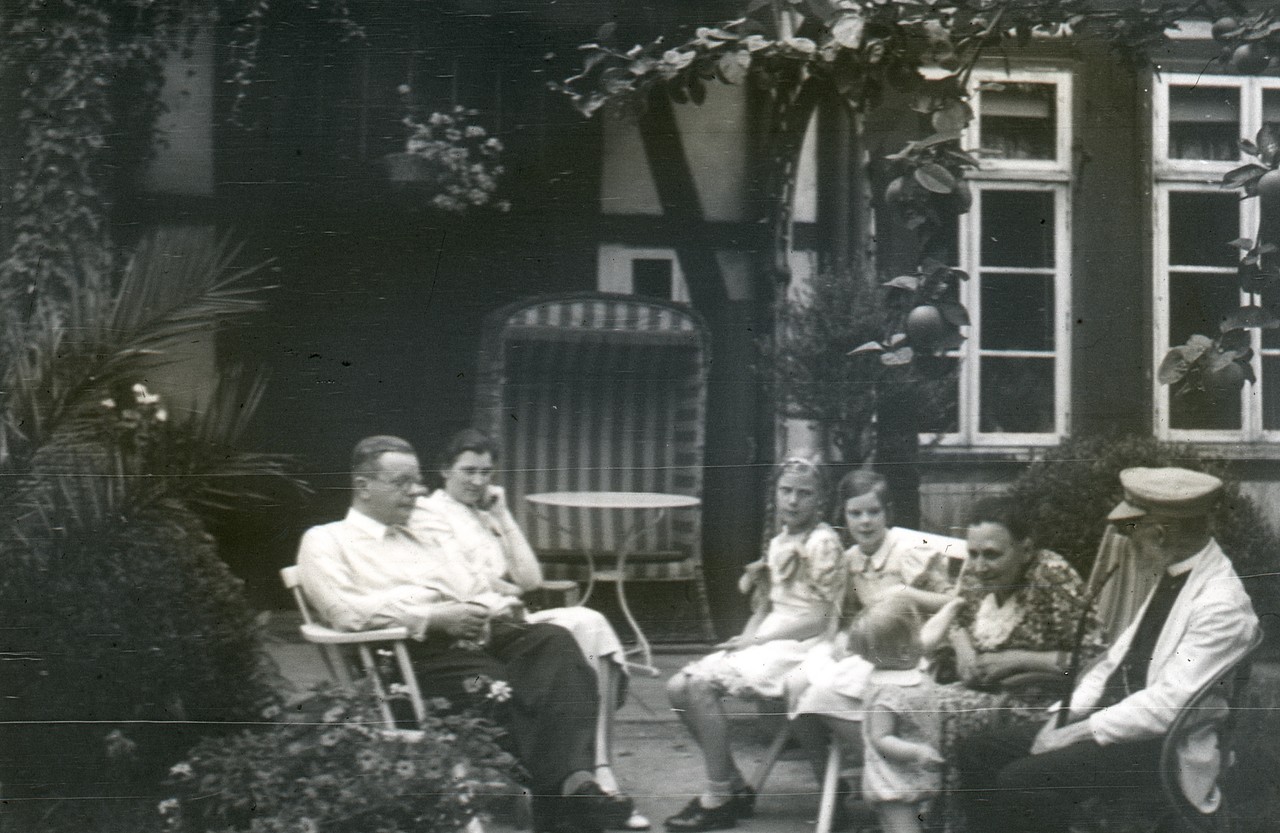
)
(590, 808)
(694, 817)
(744, 801)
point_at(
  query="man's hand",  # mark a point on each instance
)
(1050, 737)
(459, 620)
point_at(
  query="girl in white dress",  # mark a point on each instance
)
(804, 574)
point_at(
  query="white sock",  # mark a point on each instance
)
(717, 794)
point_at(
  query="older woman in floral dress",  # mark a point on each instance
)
(1023, 613)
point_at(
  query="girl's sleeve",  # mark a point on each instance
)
(827, 568)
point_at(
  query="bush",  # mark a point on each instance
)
(332, 767)
(134, 637)
(1069, 492)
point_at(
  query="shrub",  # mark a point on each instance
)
(331, 767)
(1069, 492)
(135, 638)
(126, 638)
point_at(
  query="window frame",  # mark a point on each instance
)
(1041, 175)
(1201, 176)
(614, 269)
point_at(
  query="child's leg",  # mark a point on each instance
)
(701, 708)
(896, 817)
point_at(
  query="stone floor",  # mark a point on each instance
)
(654, 759)
(657, 763)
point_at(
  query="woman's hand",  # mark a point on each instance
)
(996, 665)
(735, 643)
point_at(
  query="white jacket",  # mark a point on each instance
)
(1209, 628)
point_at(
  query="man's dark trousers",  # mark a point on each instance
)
(551, 716)
(1005, 789)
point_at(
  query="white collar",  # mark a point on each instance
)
(365, 524)
(896, 676)
(1187, 564)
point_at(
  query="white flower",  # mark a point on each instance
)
(181, 770)
(160, 415)
(108, 403)
(499, 691)
(459, 771)
(404, 89)
(169, 805)
(405, 769)
(271, 712)
(676, 59)
(803, 45)
(333, 715)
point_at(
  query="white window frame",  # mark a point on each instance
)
(614, 274)
(1051, 175)
(1203, 176)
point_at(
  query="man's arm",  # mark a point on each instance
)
(1217, 636)
(349, 604)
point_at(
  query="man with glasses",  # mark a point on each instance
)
(370, 570)
(1197, 622)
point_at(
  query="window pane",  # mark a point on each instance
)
(1270, 233)
(1198, 303)
(1017, 312)
(1204, 123)
(651, 277)
(1271, 110)
(1200, 227)
(1200, 411)
(1017, 228)
(1017, 395)
(1018, 121)
(1270, 393)
(939, 394)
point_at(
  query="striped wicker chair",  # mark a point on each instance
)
(600, 392)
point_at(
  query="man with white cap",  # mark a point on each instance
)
(1197, 622)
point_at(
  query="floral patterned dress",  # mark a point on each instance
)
(807, 574)
(1042, 615)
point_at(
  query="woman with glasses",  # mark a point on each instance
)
(469, 516)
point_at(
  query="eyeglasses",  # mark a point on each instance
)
(402, 482)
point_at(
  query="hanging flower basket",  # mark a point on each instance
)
(406, 169)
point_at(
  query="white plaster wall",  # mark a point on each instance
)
(714, 135)
(183, 162)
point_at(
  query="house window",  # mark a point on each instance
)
(1198, 123)
(651, 272)
(1012, 382)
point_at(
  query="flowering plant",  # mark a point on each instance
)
(331, 767)
(452, 153)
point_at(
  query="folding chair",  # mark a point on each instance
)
(331, 644)
(1214, 708)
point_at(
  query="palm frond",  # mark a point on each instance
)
(60, 363)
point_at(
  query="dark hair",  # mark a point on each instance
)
(861, 482)
(1004, 511)
(364, 457)
(468, 439)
